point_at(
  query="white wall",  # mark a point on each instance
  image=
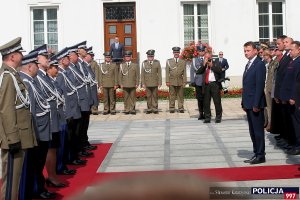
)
(159, 25)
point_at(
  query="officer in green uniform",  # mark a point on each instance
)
(108, 82)
(16, 130)
(95, 68)
(176, 80)
(129, 77)
(151, 81)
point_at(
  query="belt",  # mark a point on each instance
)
(210, 82)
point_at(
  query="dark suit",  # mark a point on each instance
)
(117, 53)
(254, 97)
(295, 95)
(211, 90)
(224, 65)
(281, 110)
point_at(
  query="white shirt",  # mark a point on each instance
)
(251, 61)
(211, 77)
(43, 72)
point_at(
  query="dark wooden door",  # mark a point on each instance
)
(119, 20)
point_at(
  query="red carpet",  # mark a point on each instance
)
(85, 174)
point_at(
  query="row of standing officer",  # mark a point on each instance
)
(59, 103)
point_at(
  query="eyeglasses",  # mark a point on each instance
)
(220, 54)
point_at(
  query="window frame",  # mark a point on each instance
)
(196, 25)
(270, 15)
(45, 20)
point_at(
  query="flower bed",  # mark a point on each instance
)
(163, 94)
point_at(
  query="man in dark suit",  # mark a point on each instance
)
(286, 131)
(223, 63)
(253, 101)
(294, 100)
(117, 51)
(211, 71)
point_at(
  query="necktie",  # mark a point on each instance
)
(176, 59)
(128, 64)
(207, 75)
(247, 66)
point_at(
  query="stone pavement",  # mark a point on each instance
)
(148, 142)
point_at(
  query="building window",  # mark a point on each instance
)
(195, 19)
(270, 20)
(45, 30)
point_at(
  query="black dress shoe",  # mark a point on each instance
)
(78, 162)
(45, 195)
(218, 121)
(113, 113)
(105, 113)
(148, 112)
(248, 161)
(95, 113)
(85, 154)
(258, 160)
(91, 147)
(155, 112)
(172, 111)
(126, 113)
(293, 151)
(133, 112)
(181, 111)
(206, 121)
(67, 172)
(50, 183)
(201, 116)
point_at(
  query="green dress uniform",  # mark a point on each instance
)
(151, 78)
(95, 68)
(176, 76)
(129, 78)
(108, 78)
(16, 128)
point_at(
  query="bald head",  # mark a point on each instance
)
(30, 69)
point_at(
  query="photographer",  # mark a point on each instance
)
(211, 72)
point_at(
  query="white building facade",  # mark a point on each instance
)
(150, 24)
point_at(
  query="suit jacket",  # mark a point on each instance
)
(296, 89)
(65, 83)
(15, 124)
(176, 72)
(108, 75)
(129, 77)
(217, 70)
(151, 74)
(41, 121)
(271, 68)
(50, 98)
(78, 80)
(224, 65)
(253, 86)
(117, 54)
(280, 73)
(196, 78)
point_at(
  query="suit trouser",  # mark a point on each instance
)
(296, 123)
(129, 99)
(269, 106)
(287, 124)
(85, 121)
(40, 155)
(257, 133)
(200, 97)
(152, 98)
(11, 174)
(73, 138)
(61, 163)
(276, 118)
(212, 90)
(109, 99)
(176, 92)
(27, 178)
